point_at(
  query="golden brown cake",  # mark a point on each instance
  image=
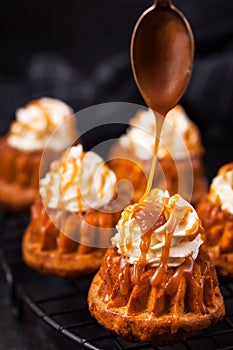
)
(157, 284)
(22, 148)
(74, 219)
(19, 176)
(216, 213)
(180, 153)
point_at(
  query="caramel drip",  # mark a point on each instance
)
(184, 221)
(159, 126)
(39, 104)
(74, 174)
(129, 245)
(187, 270)
(149, 217)
(109, 261)
(194, 231)
(191, 233)
(123, 277)
(138, 271)
(158, 275)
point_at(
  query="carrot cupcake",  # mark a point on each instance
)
(180, 155)
(22, 148)
(216, 212)
(74, 218)
(157, 283)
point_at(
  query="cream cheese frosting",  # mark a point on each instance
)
(221, 189)
(78, 181)
(179, 138)
(37, 120)
(180, 218)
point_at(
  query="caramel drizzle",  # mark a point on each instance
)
(76, 173)
(30, 127)
(109, 261)
(138, 271)
(124, 277)
(187, 270)
(149, 217)
(143, 216)
(158, 275)
(39, 105)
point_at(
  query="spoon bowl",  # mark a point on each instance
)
(162, 49)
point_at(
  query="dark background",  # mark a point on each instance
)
(79, 51)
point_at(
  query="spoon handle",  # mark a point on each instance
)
(162, 3)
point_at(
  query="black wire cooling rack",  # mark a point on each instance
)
(62, 304)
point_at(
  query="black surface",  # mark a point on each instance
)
(27, 334)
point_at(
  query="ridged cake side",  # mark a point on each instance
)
(49, 250)
(161, 314)
(218, 226)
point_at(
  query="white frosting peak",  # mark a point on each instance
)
(179, 138)
(179, 218)
(221, 189)
(37, 120)
(78, 181)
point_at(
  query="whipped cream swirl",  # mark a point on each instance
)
(221, 189)
(180, 218)
(37, 120)
(179, 138)
(78, 181)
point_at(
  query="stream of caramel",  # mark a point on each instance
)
(159, 125)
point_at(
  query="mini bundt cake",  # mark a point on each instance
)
(179, 156)
(157, 284)
(74, 219)
(216, 213)
(22, 148)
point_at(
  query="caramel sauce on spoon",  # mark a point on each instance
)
(161, 50)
